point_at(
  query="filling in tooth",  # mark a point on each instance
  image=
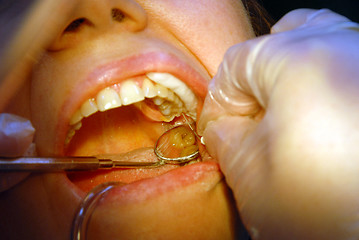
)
(160, 91)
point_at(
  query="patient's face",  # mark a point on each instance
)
(114, 79)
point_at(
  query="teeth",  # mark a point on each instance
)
(158, 101)
(178, 87)
(77, 126)
(130, 93)
(77, 117)
(162, 91)
(107, 99)
(170, 95)
(89, 107)
(148, 89)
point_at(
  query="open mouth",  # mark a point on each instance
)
(127, 116)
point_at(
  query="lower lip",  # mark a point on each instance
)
(207, 173)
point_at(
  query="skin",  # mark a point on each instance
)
(43, 205)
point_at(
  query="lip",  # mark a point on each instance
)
(206, 173)
(200, 177)
(113, 72)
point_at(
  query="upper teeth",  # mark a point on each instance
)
(178, 87)
(170, 94)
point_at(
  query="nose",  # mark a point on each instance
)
(92, 18)
(104, 14)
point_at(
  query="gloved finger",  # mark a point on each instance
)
(307, 17)
(249, 71)
(16, 136)
(280, 195)
(237, 89)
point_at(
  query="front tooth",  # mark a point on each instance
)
(149, 89)
(107, 99)
(162, 91)
(89, 107)
(178, 87)
(130, 93)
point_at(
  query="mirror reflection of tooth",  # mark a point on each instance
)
(89, 107)
(107, 99)
(176, 139)
(189, 138)
(149, 89)
(130, 93)
(189, 150)
(76, 117)
(182, 137)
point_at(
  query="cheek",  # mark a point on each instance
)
(48, 86)
(19, 104)
(206, 28)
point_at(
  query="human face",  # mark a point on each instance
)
(104, 44)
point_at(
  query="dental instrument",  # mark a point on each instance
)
(177, 145)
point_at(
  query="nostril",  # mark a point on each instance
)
(75, 25)
(117, 14)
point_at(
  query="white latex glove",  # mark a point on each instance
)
(16, 135)
(282, 118)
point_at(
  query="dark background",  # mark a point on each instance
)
(277, 8)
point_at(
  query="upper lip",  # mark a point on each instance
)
(113, 72)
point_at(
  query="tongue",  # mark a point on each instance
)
(114, 131)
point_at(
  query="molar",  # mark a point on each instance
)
(178, 87)
(107, 99)
(171, 96)
(130, 93)
(158, 101)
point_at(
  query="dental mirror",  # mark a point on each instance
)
(177, 145)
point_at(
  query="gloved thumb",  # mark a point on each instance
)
(230, 132)
(243, 142)
(16, 135)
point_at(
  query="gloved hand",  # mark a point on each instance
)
(282, 119)
(16, 135)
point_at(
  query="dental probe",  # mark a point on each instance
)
(55, 164)
(177, 145)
